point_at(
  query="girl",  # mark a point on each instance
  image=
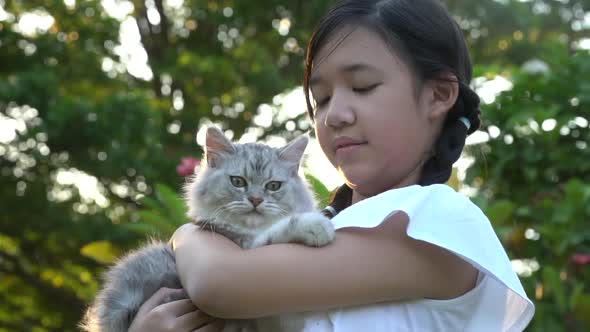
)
(391, 108)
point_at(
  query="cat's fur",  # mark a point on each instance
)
(247, 210)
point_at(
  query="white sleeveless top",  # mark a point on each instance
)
(445, 218)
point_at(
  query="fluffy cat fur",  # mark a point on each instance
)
(250, 193)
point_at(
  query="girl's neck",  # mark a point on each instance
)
(357, 196)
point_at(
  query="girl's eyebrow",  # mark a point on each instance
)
(347, 69)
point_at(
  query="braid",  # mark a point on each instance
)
(450, 143)
(340, 199)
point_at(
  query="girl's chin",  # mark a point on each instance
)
(356, 175)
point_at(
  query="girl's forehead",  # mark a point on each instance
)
(350, 46)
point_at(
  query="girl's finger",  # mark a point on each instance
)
(178, 308)
(165, 295)
(194, 320)
(175, 295)
(156, 299)
(215, 326)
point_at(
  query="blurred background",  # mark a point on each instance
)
(101, 102)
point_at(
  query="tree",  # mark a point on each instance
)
(88, 128)
(533, 181)
(88, 132)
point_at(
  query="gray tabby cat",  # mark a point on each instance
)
(250, 193)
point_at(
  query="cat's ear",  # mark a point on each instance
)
(215, 145)
(293, 152)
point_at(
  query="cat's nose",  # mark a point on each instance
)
(255, 200)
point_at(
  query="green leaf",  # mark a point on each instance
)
(150, 203)
(173, 204)
(101, 251)
(500, 212)
(162, 225)
(576, 295)
(582, 309)
(575, 192)
(321, 192)
(554, 283)
(141, 228)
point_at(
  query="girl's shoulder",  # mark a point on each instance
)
(441, 216)
(420, 203)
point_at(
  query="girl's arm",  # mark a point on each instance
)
(362, 266)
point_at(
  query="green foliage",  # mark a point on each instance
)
(320, 191)
(101, 251)
(89, 172)
(533, 180)
(160, 215)
(93, 139)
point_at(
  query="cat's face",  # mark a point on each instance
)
(248, 185)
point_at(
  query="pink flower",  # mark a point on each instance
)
(187, 166)
(580, 259)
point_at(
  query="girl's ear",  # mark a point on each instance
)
(443, 94)
(216, 144)
(293, 152)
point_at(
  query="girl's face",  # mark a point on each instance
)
(371, 122)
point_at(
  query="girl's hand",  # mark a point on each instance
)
(159, 315)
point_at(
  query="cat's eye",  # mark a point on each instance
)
(273, 185)
(238, 181)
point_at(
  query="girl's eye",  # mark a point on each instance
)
(322, 102)
(273, 185)
(238, 181)
(365, 89)
(361, 90)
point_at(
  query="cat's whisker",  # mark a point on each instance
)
(238, 207)
(281, 211)
(204, 224)
(213, 224)
(218, 211)
(271, 208)
(237, 203)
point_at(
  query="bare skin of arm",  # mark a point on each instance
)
(362, 266)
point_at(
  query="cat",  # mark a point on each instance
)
(251, 193)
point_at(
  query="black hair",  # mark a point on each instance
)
(425, 36)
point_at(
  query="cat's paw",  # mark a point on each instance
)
(312, 229)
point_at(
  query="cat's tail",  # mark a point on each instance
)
(128, 284)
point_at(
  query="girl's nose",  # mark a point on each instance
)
(340, 113)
